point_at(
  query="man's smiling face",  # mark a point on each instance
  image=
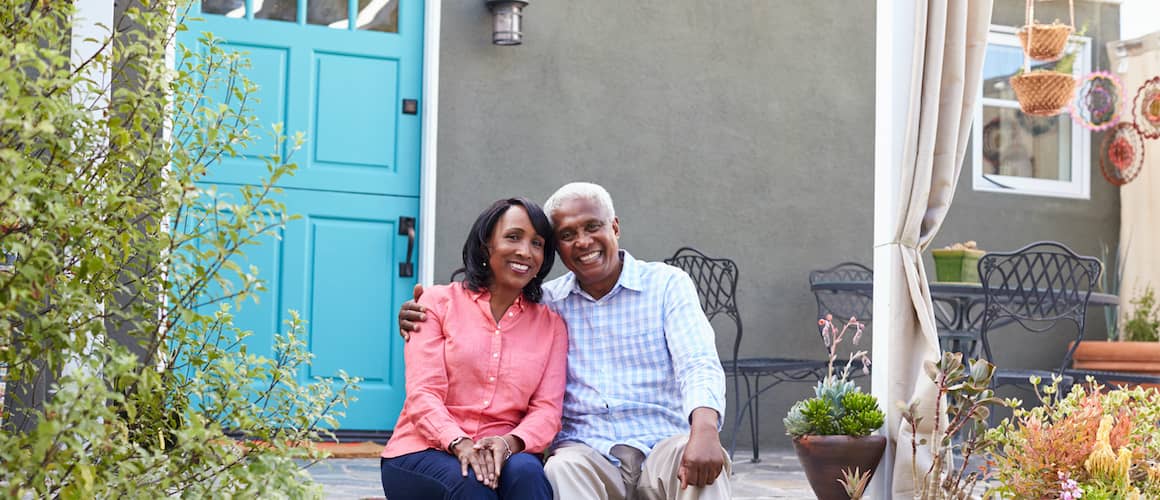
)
(587, 238)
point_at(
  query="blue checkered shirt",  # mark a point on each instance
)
(640, 359)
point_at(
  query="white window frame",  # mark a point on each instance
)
(1079, 186)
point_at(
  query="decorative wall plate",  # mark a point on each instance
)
(1098, 101)
(1146, 109)
(992, 142)
(1122, 154)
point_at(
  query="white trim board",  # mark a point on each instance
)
(429, 130)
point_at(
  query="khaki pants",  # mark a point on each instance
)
(578, 472)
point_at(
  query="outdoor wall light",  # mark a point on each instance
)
(506, 21)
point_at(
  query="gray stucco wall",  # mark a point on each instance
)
(745, 129)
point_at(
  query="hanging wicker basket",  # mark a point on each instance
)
(1050, 40)
(1045, 42)
(1043, 93)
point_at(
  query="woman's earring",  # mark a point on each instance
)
(485, 263)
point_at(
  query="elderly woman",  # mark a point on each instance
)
(486, 386)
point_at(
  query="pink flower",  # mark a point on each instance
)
(1068, 488)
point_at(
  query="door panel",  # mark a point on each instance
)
(341, 273)
(352, 110)
(341, 83)
(267, 104)
(342, 88)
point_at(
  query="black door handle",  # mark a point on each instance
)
(407, 227)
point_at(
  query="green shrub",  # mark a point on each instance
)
(119, 307)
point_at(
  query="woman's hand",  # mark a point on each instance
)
(495, 451)
(465, 450)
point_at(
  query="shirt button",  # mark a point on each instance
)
(497, 331)
(496, 355)
(510, 314)
(491, 379)
(486, 401)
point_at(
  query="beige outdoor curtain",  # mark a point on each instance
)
(951, 39)
(1136, 61)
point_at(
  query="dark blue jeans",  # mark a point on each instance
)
(434, 474)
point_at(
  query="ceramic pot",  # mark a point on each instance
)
(824, 457)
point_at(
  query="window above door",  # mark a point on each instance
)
(369, 15)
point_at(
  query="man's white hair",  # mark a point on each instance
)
(579, 191)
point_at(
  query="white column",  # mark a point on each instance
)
(90, 29)
(432, 14)
(894, 50)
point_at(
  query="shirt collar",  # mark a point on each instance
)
(484, 297)
(630, 276)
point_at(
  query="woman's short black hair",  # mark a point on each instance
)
(476, 276)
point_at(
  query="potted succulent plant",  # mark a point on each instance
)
(957, 263)
(832, 430)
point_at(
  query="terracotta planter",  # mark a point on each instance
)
(824, 457)
(1131, 357)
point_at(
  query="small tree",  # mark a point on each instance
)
(127, 269)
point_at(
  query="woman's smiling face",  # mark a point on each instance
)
(515, 250)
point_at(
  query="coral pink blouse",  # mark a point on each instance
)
(468, 376)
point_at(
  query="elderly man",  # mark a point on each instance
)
(645, 390)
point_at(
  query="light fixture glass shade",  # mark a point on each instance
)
(507, 21)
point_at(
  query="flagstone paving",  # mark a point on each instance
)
(777, 476)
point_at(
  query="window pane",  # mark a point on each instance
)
(278, 10)
(999, 65)
(228, 8)
(333, 13)
(378, 15)
(1019, 145)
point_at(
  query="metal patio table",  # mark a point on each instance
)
(958, 308)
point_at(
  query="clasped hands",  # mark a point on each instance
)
(486, 457)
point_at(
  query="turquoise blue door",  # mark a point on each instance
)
(347, 73)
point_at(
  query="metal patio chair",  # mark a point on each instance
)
(1038, 287)
(844, 303)
(716, 282)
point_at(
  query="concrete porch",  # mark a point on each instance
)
(778, 475)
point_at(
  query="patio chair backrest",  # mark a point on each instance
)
(716, 282)
(1037, 286)
(843, 304)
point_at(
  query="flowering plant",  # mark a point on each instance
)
(839, 407)
(1091, 443)
(959, 431)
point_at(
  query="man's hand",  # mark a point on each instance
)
(412, 314)
(703, 459)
